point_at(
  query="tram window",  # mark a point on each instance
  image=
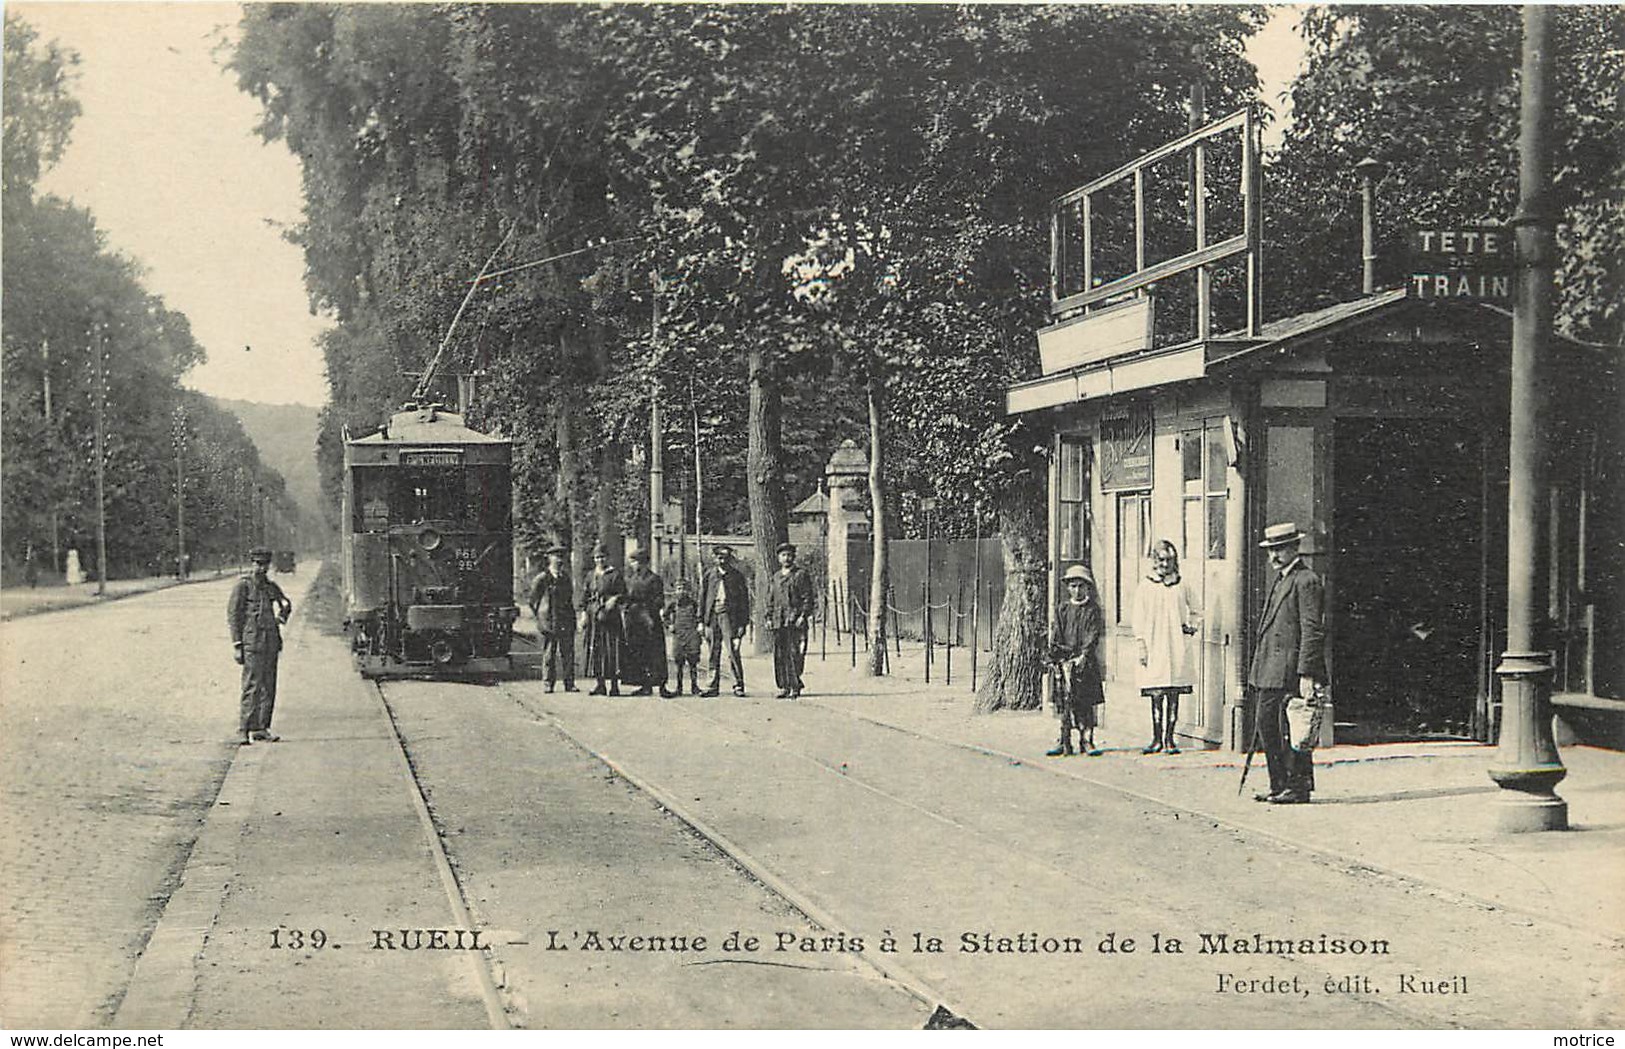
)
(428, 495)
(371, 499)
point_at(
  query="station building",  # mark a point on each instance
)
(1380, 426)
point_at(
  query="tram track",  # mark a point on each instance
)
(825, 916)
(783, 888)
(479, 961)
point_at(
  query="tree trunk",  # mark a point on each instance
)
(577, 474)
(1015, 673)
(879, 573)
(769, 524)
(610, 457)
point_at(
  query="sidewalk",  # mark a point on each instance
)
(26, 601)
(309, 846)
(1421, 812)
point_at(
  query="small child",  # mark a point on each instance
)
(683, 619)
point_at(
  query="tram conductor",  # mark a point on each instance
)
(255, 612)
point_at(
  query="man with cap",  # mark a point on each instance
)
(1290, 659)
(553, 603)
(601, 602)
(789, 610)
(255, 612)
(724, 612)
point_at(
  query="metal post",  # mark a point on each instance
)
(896, 620)
(925, 623)
(1527, 766)
(823, 627)
(1369, 171)
(180, 494)
(657, 438)
(852, 634)
(948, 651)
(99, 348)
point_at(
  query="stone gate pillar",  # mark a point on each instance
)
(847, 472)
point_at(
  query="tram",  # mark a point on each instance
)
(428, 547)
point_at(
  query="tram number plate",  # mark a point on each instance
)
(445, 458)
(468, 559)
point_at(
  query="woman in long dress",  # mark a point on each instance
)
(601, 608)
(1164, 615)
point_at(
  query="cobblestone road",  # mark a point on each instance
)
(115, 730)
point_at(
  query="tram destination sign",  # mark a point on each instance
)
(1462, 262)
(433, 457)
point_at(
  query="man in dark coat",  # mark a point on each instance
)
(255, 612)
(1290, 660)
(601, 601)
(789, 610)
(553, 603)
(644, 647)
(724, 612)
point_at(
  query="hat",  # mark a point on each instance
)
(640, 555)
(260, 555)
(1283, 534)
(557, 548)
(723, 550)
(1079, 572)
(787, 546)
(600, 550)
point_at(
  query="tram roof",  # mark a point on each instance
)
(429, 424)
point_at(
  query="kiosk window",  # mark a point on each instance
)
(1074, 500)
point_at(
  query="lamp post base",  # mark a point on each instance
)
(1527, 766)
(1521, 812)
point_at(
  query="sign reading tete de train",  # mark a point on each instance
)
(1464, 262)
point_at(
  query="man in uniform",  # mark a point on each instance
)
(724, 612)
(789, 610)
(255, 612)
(1290, 660)
(553, 603)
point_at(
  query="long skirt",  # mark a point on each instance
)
(643, 655)
(604, 646)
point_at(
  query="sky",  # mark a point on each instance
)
(165, 156)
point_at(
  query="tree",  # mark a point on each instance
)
(65, 295)
(1432, 93)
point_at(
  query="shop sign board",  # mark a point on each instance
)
(1125, 447)
(1462, 262)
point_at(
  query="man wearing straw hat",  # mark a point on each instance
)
(1290, 660)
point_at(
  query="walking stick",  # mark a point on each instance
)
(1252, 748)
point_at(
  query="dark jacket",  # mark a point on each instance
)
(738, 599)
(252, 613)
(789, 598)
(1292, 632)
(597, 591)
(553, 600)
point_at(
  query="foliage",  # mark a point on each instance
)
(66, 297)
(1433, 93)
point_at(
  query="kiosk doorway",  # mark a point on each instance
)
(1406, 614)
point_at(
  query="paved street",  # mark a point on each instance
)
(115, 731)
(592, 843)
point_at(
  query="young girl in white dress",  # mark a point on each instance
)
(1164, 615)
